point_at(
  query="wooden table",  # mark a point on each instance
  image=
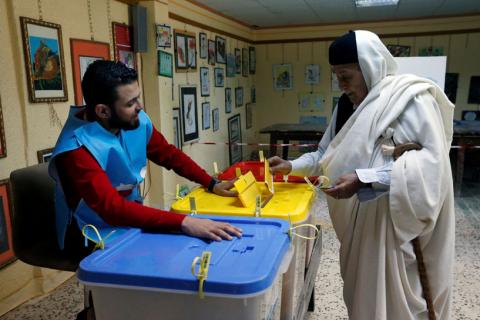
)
(292, 131)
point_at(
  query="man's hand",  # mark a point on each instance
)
(209, 229)
(278, 165)
(223, 189)
(345, 187)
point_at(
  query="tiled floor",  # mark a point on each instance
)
(65, 302)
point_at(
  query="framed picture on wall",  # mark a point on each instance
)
(312, 74)
(44, 155)
(215, 119)
(252, 61)
(228, 100)
(192, 52)
(165, 64)
(230, 65)
(248, 115)
(164, 36)
(6, 246)
(245, 62)
(253, 94)
(205, 115)
(83, 53)
(204, 81)
(188, 112)
(238, 97)
(180, 52)
(123, 44)
(211, 52)
(399, 51)
(221, 50)
(177, 128)
(3, 145)
(219, 77)
(44, 62)
(203, 45)
(238, 61)
(282, 77)
(234, 138)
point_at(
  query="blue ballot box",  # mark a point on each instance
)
(143, 275)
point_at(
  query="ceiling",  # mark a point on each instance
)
(268, 13)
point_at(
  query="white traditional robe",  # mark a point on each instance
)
(378, 264)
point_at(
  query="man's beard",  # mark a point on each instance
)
(117, 123)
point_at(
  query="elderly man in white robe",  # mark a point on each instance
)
(381, 206)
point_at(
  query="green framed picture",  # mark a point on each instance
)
(165, 64)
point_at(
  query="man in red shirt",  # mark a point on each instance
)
(100, 159)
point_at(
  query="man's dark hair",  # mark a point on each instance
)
(100, 82)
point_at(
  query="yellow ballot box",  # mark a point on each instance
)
(290, 201)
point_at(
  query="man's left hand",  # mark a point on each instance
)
(345, 186)
(223, 189)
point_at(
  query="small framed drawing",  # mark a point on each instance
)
(83, 53)
(245, 62)
(282, 77)
(252, 61)
(165, 64)
(180, 52)
(211, 52)
(188, 112)
(219, 77)
(192, 52)
(44, 62)
(312, 74)
(205, 115)
(44, 155)
(238, 61)
(249, 115)
(177, 127)
(230, 65)
(164, 36)
(228, 100)
(3, 145)
(221, 50)
(122, 44)
(204, 82)
(203, 45)
(253, 95)
(215, 119)
(238, 97)
(6, 246)
(399, 51)
(234, 138)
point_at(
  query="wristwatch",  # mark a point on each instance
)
(212, 184)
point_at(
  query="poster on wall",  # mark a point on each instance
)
(189, 115)
(122, 44)
(3, 145)
(164, 36)
(282, 77)
(6, 247)
(44, 62)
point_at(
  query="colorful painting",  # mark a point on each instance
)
(282, 77)
(180, 52)
(164, 36)
(123, 44)
(191, 52)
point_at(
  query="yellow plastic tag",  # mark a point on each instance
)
(215, 168)
(238, 172)
(260, 156)
(202, 274)
(247, 189)
(268, 178)
(193, 206)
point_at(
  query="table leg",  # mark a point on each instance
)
(273, 142)
(459, 171)
(285, 149)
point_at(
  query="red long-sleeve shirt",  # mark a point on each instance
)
(83, 178)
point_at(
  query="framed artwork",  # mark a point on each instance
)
(310, 102)
(221, 50)
(192, 52)
(3, 145)
(215, 119)
(219, 77)
(180, 52)
(228, 100)
(430, 51)
(177, 127)
(188, 112)
(165, 64)
(238, 61)
(230, 66)
(252, 61)
(203, 45)
(399, 51)
(253, 95)
(282, 77)
(238, 97)
(451, 85)
(6, 246)
(44, 155)
(83, 53)
(204, 82)
(312, 74)
(164, 36)
(205, 115)
(44, 62)
(245, 62)
(211, 52)
(248, 115)
(474, 91)
(123, 44)
(234, 137)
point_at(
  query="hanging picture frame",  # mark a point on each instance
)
(399, 51)
(230, 65)
(249, 115)
(192, 52)
(253, 95)
(189, 114)
(204, 81)
(83, 53)
(219, 77)
(211, 52)
(205, 115)
(6, 245)
(228, 100)
(165, 64)
(234, 138)
(203, 45)
(238, 97)
(177, 128)
(44, 62)
(221, 50)
(238, 61)
(44, 155)
(164, 36)
(282, 77)
(123, 44)
(252, 61)
(181, 63)
(3, 144)
(215, 119)
(245, 62)
(312, 74)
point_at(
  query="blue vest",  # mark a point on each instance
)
(122, 156)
